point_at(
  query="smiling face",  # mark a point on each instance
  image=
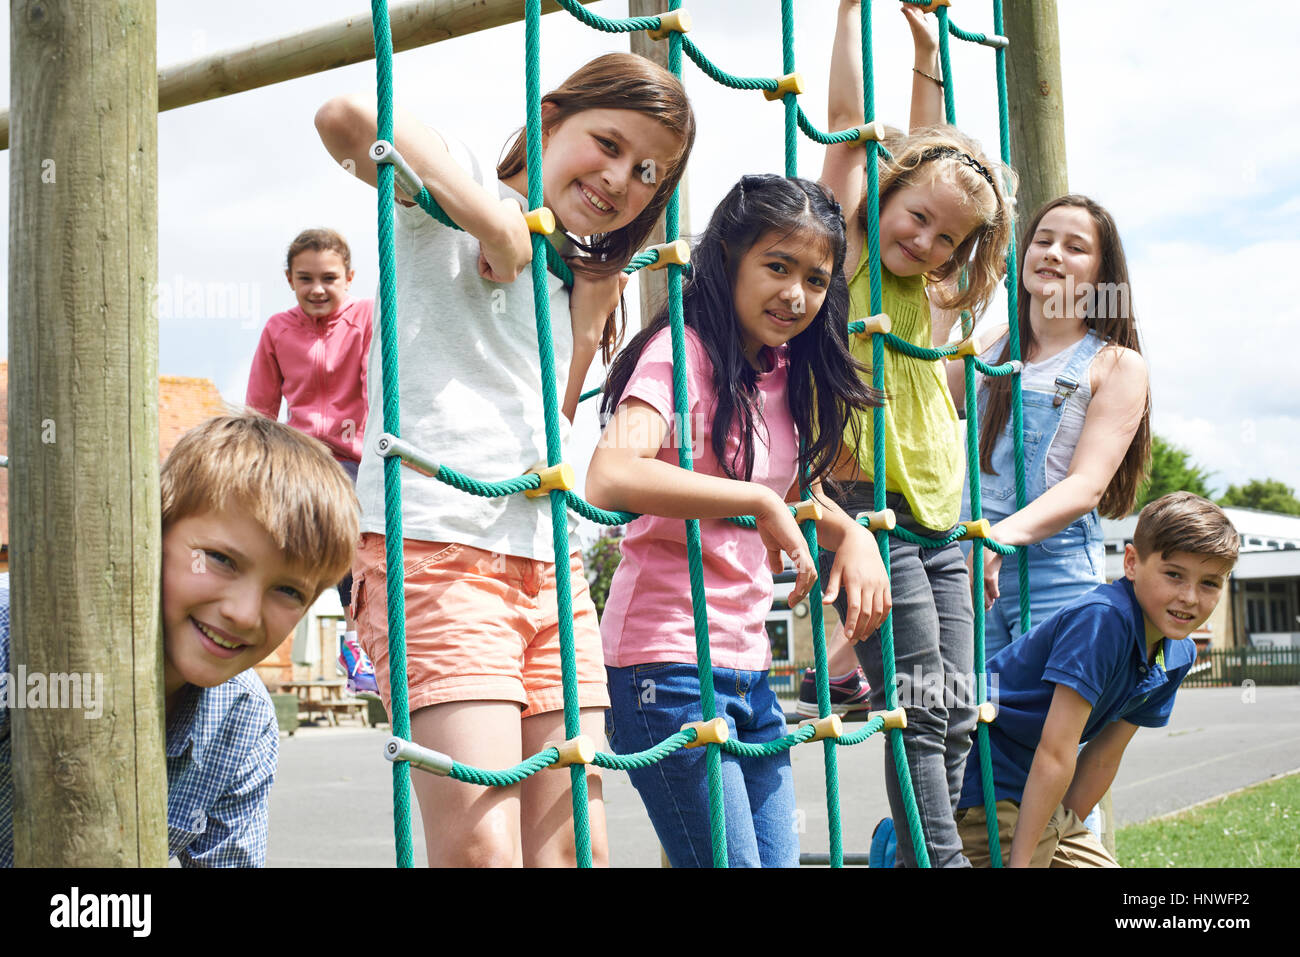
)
(779, 287)
(922, 225)
(320, 280)
(1063, 255)
(229, 597)
(1177, 593)
(601, 168)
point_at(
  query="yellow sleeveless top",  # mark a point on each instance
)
(923, 457)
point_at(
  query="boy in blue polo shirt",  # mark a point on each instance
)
(1093, 673)
(257, 519)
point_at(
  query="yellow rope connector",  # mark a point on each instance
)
(708, 732)
(875, 130)
(679, 21)
(884, 520)
(555, 476)
(676, 253)
(875, 325)
(831, 726)
(790, 83)
(970, 346)
(893, 719)
(934, 5)
(579, 750)
(540, 220)
(979, 528)
(987, 712)
(809, 509)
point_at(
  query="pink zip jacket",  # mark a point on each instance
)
(319, 366)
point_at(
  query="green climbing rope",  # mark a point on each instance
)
(546, 256)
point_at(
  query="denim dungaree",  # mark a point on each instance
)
(1069, 564)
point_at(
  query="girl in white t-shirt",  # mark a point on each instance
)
(768, 368)
(483, 653)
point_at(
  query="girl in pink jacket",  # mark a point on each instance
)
(314, 356)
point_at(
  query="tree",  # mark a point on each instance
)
(1268, 495)
(601, 560)
(1171, 471)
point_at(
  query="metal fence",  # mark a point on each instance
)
(1218, 668)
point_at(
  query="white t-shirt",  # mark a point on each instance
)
(470, 385)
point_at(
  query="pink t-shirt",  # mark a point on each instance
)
(648, 615)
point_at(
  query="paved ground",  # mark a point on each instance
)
(332, 802)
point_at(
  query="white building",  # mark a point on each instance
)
(1262, 607)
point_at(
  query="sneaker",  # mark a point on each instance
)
(884, 845)
(360, 672)
(849, 692)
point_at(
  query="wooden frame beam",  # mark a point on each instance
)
(415, 23)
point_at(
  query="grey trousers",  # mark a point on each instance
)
(933, 625)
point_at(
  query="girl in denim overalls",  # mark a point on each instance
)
(1086, 410)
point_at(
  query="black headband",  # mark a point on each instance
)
(941, 152)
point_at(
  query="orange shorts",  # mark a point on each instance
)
(479, 626)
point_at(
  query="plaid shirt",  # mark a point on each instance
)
(222, 748)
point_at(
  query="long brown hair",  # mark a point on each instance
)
(618, 81)
(941, 153)
(1111, 317)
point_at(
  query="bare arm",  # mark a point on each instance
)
(927, 95)
(857, 569)
(1114, 414)
(624, 474)
(1052, 771)
(1096, 766)
(842, 169)
(591, 303)
(347, 125)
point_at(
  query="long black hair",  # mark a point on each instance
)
(825, 383)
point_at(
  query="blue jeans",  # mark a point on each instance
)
(933, 649)
(1061, 569)
(651, 702)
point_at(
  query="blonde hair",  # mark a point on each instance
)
(945, 154)
(286, 481)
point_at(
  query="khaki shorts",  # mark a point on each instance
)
(479, 627)
(1065, 841)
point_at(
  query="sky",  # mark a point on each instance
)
(1192, 145)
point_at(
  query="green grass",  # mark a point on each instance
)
(1257, 827)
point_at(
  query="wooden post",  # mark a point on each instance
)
(90, 789)
(1035, 100)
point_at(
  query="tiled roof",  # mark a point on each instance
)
(183, 403)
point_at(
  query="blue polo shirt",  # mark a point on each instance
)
(1095, 646)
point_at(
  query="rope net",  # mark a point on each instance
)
(546, 258)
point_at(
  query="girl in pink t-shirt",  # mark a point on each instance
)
(769, 374)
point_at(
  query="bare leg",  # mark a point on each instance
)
(546, 816)
(840, 657)
(466, 825)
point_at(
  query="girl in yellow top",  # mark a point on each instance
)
(943, 206)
